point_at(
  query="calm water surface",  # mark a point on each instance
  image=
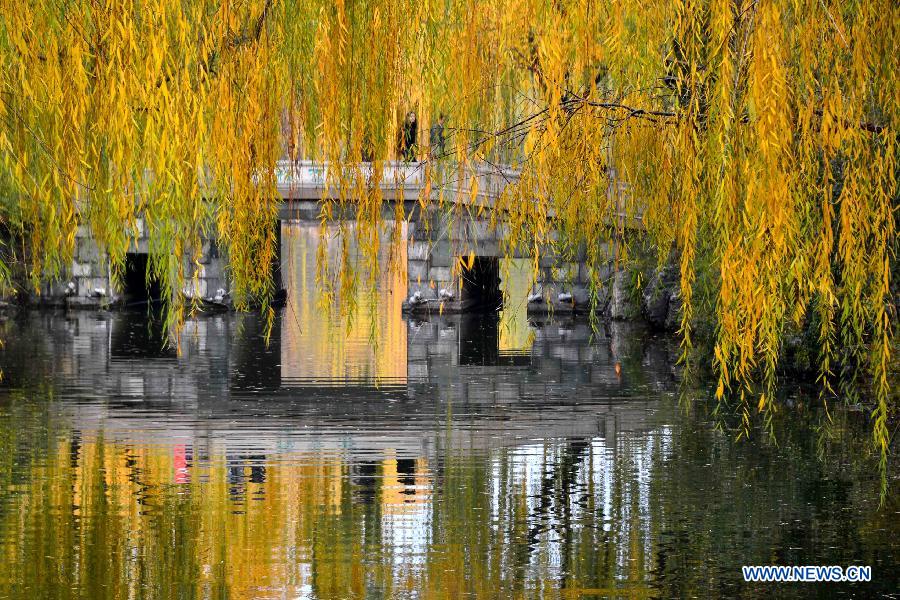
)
(464, 457)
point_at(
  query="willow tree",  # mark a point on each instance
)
(756, 138)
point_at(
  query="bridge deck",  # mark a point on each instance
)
(305, 181)
(309, 180)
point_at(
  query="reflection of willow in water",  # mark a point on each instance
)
(135, 474)
(116, 520)
(611, 514)
(331, 344)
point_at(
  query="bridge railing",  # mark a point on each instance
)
(311, 180)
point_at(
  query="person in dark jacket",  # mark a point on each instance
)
(410, 136)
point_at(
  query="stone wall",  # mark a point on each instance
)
(435, 241)
(88, 283)
(436, 238)
(210, 273)
(89, 276)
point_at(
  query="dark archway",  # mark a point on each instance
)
(481, 284)
(138, 288)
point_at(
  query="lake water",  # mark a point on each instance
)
(460, 457)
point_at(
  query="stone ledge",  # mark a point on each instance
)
(436, 307)
(84, 302)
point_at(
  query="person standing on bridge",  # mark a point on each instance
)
(436, 137)
(408, 146)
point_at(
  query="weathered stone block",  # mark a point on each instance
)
(568, 272)
(517, 251)
(437, 222)
(439, 274)
(80, 269)
(481, 230)
(422, 287)
(418, 250)
(440, 254)
(300, 211)
(208, 251)
(140, 246)
(458, 234)
(417, 270)
(584, 273)
(606, 271)
(548, 259)
(214, 273)
(579, 252)
(606, 250)
(484, 248)
(580, 294)
(86, 250)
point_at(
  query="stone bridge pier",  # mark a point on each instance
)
(455, 263)
(89, 283)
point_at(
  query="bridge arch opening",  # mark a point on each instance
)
(480, 287)
(138, 288)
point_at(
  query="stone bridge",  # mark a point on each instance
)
(455, 224)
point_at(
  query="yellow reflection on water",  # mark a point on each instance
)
(516, 279)
(322, 344)
(128, 520)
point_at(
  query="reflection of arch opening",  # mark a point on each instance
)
(139, 289)
(365, 476)
(481, 284)
(139, 336)
(478, 339)
(406, 472)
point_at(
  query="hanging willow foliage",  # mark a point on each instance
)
(756, 138)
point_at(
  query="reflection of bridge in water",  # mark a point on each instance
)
(554, 422)
(459, 391)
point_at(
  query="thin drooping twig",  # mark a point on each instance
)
(43, 146)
